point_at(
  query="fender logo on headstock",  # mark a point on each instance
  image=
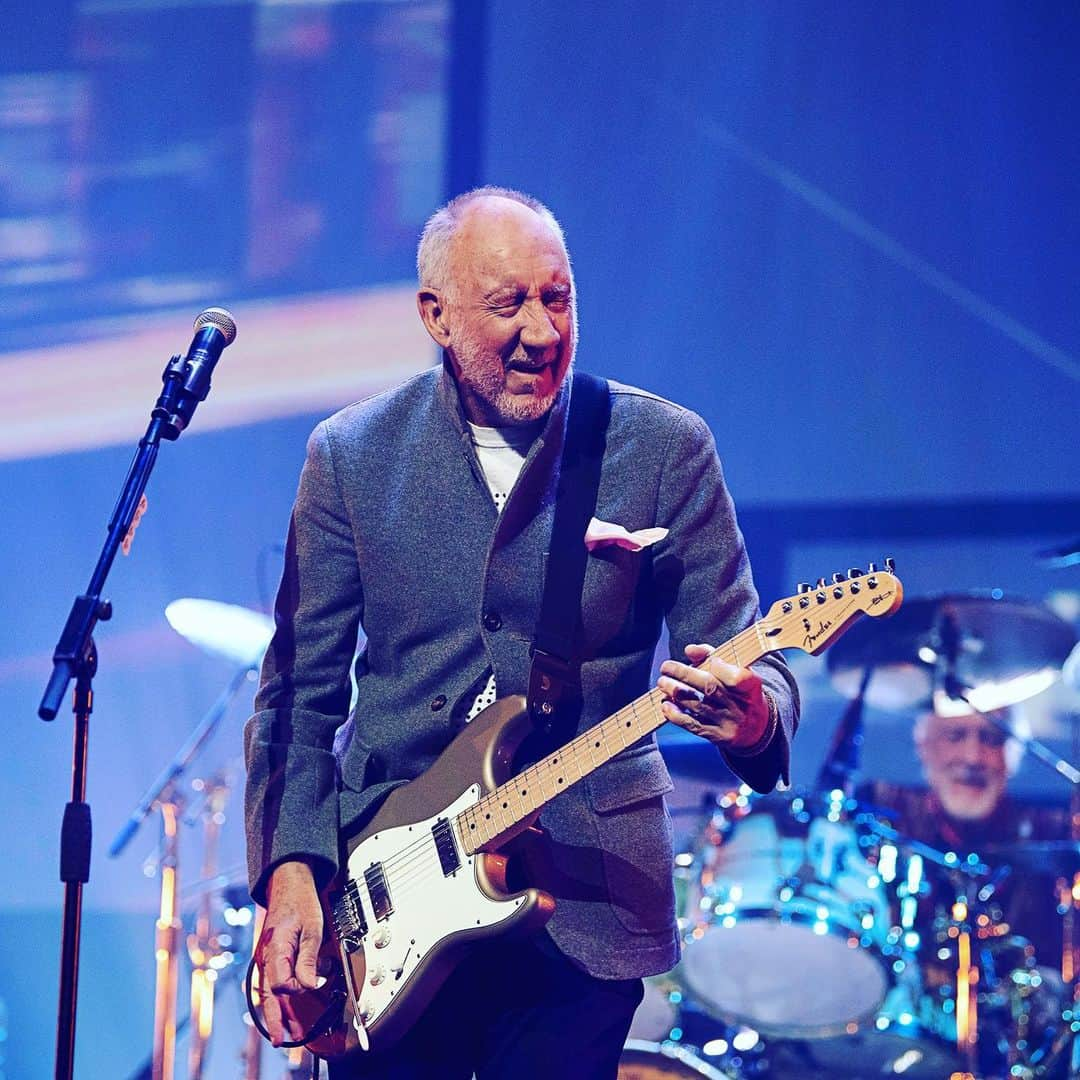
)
(812, 636)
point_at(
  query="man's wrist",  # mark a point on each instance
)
(766, 737)
(290, 872)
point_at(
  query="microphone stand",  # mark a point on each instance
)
(75, 657)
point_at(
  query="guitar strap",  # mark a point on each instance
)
(556, 651)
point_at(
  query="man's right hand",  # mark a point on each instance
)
(288, 949)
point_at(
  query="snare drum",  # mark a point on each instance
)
(787, 928)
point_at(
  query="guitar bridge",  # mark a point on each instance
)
(350, 925)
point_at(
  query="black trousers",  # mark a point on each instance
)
(512, 1010)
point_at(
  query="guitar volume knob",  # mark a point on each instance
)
(381, 938)
(377, 975)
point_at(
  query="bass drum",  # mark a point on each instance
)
(902, 1040)
(664, 1061)
(788, 928)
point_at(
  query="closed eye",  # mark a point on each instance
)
(505, 303)
(557, 299)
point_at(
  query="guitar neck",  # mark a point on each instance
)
(508, 807)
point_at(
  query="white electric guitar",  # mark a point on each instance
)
(426, 876)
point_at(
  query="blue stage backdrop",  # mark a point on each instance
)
(847, 234)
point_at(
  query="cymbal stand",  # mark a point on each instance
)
(841, 762)
(204, 946)
(194, 743)
(163, 794)
(167, 939)
(967, 978)
(945, 679)
(251, 1055)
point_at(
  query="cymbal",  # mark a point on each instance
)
(1007, 649)
(234, 633)
(1059, 857)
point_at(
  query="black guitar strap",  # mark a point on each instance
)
(556, 650)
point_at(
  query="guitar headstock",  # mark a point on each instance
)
(818, 614)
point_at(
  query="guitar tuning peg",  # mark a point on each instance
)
(820, 583)
(890, 563)
(854, 572)
(872, 568)
(803, 587)
(838, 577)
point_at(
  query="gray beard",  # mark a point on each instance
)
(487, 381)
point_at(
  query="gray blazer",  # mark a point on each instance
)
(394, 533)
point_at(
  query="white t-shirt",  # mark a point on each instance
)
(501, 453)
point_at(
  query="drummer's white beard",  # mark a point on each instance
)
(966, 801)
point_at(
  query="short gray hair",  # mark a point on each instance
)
(433, 251)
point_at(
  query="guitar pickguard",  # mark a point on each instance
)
(415, 904)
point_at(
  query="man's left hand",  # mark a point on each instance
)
(718, 701)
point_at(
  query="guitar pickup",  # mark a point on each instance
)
(381, 903)
(444, 846)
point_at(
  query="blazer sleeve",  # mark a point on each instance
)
(291, 800)
(706, 585)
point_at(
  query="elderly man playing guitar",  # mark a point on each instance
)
(424, 519)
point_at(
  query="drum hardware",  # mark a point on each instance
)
(167, 939)
(664, 1061)
(210, 946)
(1061, 556)
(238, 635)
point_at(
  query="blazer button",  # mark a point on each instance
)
(492, 621)
(438, 703)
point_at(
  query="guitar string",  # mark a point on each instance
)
(412, 867)
(408, 877)
(412, 852)
(535, 775)
(749, 635)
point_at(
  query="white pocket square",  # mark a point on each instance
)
(603, 533)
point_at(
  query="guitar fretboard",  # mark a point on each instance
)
(520, 798)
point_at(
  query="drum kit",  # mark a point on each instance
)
(821, 942)
(818, 941)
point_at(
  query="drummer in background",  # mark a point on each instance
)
(967, 761)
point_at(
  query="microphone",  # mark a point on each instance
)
(187, 378)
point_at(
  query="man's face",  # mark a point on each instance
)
(509, 313)
(964, 761)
